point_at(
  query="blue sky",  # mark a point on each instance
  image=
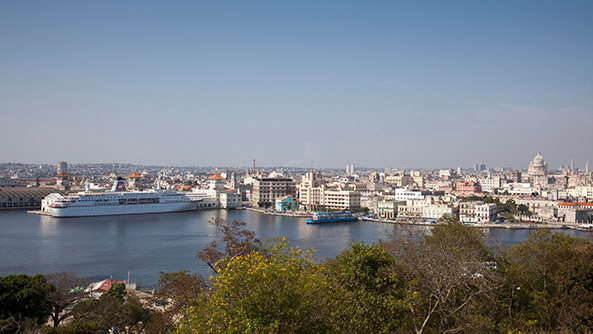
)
(429, 83)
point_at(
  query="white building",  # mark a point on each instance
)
(437, 211)
(341, 199)
(267, 189)
(491, 183)
(581, 192)
(387, 209)
(477, 212)
(404, 194)
(519, 188)
(230, 199)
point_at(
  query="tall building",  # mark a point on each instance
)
(479, 167)
(514, 176)
(63, 181)
(267, 189)
(134, 180)
(62, 167)
(350, 169)
(310, 191)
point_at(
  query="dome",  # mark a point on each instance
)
(273, 175)
(538, 161)
(538, 166)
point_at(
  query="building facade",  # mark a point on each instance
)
(477, 212)
(267, 189)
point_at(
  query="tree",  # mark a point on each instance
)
(542, 274)
(366, 296)
(105, 314)
(575, 291)
(523, 209)
(237, 239)
(69, 289)
(23, 302)
(450, 277)
(138, 317)
(117, 291)
(178, 292)
(111, 314)
(275, 289)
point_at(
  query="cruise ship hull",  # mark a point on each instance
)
(116, 210)
(116, 202)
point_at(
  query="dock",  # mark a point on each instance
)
(39, 212)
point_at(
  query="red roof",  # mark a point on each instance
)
(63, 174)
(567, 203)
(135, 176)
(104, 285)
(575, 203)
(216, 177)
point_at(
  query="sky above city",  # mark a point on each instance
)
(432, 84)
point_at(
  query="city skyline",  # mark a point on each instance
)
(218, 84)
(572, 166)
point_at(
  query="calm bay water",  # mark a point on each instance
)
(104, 247)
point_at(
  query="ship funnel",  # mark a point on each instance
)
(119, 185)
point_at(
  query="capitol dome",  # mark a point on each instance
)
(538, 166)
(538, 161)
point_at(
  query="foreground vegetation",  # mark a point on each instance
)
(450, 281)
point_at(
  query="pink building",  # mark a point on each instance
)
(466, 189)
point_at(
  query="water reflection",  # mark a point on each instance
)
(99, 247)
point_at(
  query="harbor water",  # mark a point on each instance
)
(144, 245)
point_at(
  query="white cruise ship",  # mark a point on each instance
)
(118, 201)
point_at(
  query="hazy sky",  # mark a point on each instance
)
(374, 83)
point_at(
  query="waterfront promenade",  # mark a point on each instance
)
(520, 225)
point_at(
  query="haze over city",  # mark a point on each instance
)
(431, 84)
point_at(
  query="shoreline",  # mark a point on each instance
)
(557, 226)
(276, 213)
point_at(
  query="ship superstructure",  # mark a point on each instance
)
(118, 201)
(331, 217)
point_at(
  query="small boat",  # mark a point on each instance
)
(331, 217)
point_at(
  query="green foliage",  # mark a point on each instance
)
(106, 312)
(69, 289)
(117, 291)
(272, 290)
(178, 292)
(548, 283)
(75, 328)
(264, 204)
(23, 301)
(365, 294)
(110, 313)
(448, 276)
(506, 209)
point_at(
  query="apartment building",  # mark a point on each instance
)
(477, 212)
